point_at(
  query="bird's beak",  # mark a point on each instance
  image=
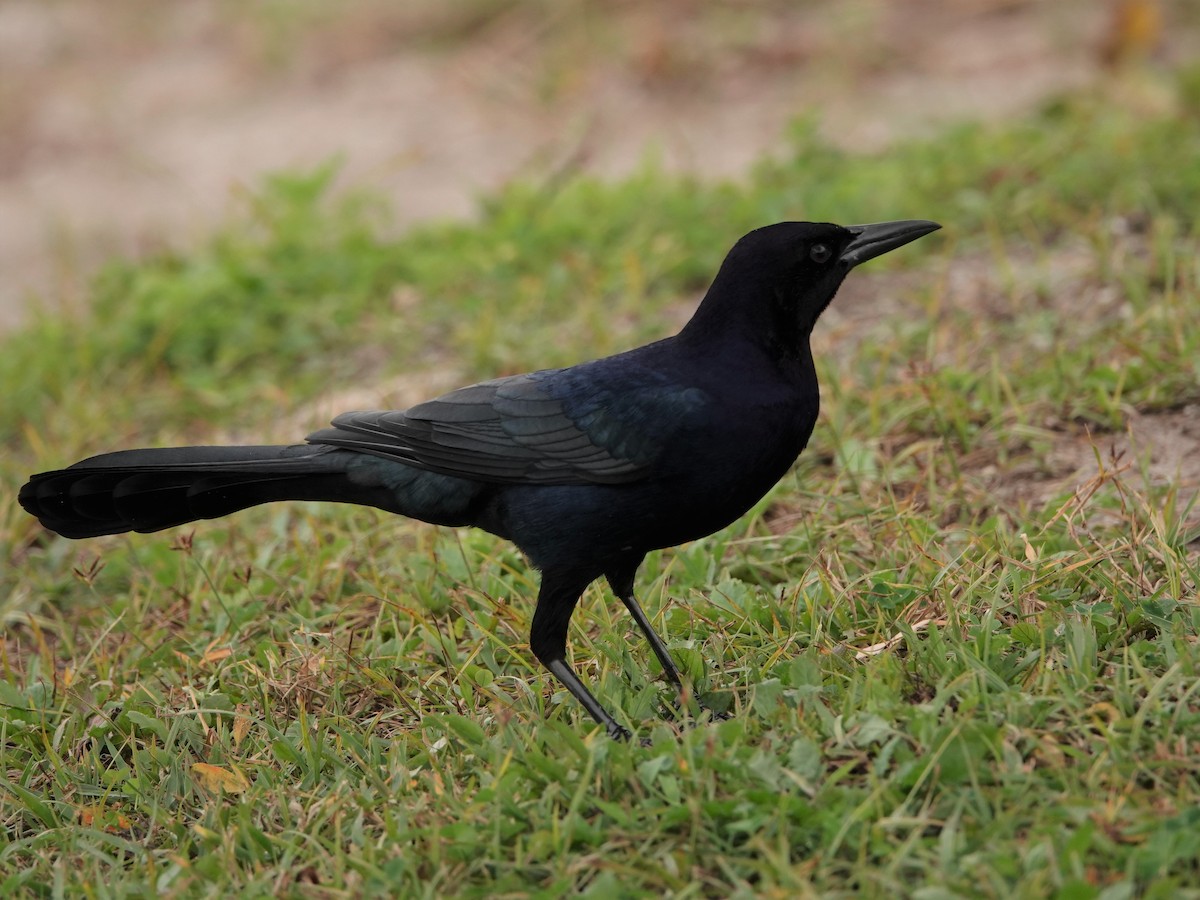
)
(875, 240)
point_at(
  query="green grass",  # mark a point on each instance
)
(958, 666)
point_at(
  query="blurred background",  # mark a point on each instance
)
(128, 126)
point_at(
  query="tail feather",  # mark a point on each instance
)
(149, 490)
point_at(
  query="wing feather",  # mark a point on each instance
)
(558, 426)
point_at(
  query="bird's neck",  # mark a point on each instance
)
(753, 320)
(735, 348)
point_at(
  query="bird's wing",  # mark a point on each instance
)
(557, 426)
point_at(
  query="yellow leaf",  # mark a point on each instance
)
(111, 820)
(211, 656)
(218, 778)
(1134, 31)
(241, 726)
(1030, 553)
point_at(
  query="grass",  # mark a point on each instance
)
(959, 641)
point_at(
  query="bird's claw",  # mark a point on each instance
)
(618, 732)
(681, 704)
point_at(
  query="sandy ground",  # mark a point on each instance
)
(133, 124)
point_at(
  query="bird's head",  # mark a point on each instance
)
(777, 280)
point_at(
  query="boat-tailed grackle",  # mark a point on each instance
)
(585, 469)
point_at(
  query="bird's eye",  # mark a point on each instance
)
(820, 253)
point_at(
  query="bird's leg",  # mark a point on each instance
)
(557, 598)
(656, 643)
(622, 585)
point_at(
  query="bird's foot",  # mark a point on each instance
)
(618, 732)
(682, 704)
(712, 718)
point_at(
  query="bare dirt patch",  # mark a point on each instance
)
(130, 125)
(1155, 450)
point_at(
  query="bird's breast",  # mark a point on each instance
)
(717, 476)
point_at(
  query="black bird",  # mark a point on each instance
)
(585, 469)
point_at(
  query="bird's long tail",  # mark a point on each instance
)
(148, 490)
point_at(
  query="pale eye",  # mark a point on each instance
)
(820, 253)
